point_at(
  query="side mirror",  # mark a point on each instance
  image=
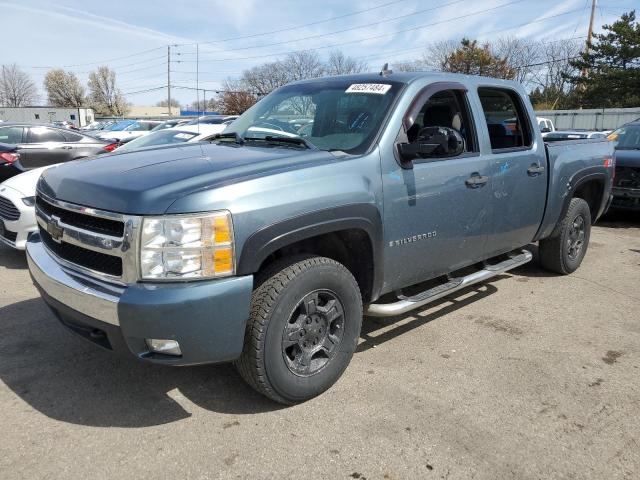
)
(432, 142)
(545, 130)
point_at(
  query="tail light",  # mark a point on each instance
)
(9, 157)
(111, 147)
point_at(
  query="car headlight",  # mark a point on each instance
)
(29, 201)
(187, 247)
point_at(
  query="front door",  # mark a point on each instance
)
(438, 211)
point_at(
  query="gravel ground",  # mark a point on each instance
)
(530, 376)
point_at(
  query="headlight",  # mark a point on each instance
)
(29, 201)
(188, 247)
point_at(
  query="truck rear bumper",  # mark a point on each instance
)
(206, 318)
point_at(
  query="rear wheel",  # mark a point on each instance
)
(563, 253)
(304, 326)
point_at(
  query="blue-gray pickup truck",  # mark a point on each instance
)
(329, 200)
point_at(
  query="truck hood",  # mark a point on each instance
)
(628, 158)
(148, 182)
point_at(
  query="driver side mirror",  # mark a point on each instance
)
(432, 143)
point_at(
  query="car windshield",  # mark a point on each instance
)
(331, 115)
(628, 137)
(162, 137)
(118, 126)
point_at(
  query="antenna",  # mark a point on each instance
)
(385, 70)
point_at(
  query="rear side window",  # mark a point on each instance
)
(43, 134)
(11, 134)
(507, 121)
(72, 137)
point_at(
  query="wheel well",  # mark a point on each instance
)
(352, 248)
(591, 192)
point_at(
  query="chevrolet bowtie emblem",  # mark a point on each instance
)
(54, 229)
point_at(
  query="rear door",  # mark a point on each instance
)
(518, 169)
(437, 211)
(44, 146)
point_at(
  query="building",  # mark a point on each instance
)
(591, 118)
(42, 115)
(142, 111)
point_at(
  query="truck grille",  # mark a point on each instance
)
(86, 222)
(96, 261)
(8, 210)
(627, 177)
(86, 238)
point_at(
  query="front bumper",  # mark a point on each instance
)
(626, 198)
(18, 230)
(206, 318)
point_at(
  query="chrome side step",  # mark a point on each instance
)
(405, 304)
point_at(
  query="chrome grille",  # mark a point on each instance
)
(94, 242)
(8, 210)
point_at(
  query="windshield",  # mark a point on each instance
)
(332, 115)
(162, 137)
(628, 137)
(118, 126)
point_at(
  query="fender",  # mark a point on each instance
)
(598, 173)
(269, 239)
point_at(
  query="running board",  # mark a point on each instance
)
(405, 304)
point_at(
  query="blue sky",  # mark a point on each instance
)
(131, 36)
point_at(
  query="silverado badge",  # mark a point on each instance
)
(414, 238)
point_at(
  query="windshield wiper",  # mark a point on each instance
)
(234, 135)
(288, 140)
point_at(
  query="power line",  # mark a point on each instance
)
(101, 61)
(419, 27)
(322, 35)
(288, 29)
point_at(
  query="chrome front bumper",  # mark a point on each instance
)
(97, 300)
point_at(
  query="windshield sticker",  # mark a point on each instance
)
(379, 88)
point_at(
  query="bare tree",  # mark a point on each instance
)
(104, 96)
(409, 66)
(16, 87)
(302, 65)
(63, 88)
(552, 77)
(235, 99)
(339, 64)
(436, 55)
(522, 55)
(265, 78)
(163, 103)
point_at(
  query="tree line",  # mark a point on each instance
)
(564, 73)
(63, 89)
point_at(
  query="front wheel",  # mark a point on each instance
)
(563, 252)
(303, 330)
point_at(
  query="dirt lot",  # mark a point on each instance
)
(531, 376)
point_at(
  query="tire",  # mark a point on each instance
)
(301, 305)
(560, 253)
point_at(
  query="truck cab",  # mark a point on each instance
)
(328, 200)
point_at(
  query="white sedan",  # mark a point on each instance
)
(17, 211)
(172, 136)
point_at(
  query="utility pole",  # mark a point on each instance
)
(169, 78)
(585, 71)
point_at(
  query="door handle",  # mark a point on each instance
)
(534, 170)
(476, 180)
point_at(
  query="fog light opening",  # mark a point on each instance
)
(166, 347)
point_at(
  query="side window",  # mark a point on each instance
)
(43, 134)
(11, 134)
(72, 137)
(506, 118)
(448, 108)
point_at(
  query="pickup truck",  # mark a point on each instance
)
(329, 200)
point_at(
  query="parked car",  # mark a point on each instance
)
(17, 212)
(135, 129)
(213, 120)
(173, 122)
(9, 156)
(171, 136)
(263, 247)
(40, 145)
(572, 135)
(64, 124)
(546, 126)
(626, 187)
